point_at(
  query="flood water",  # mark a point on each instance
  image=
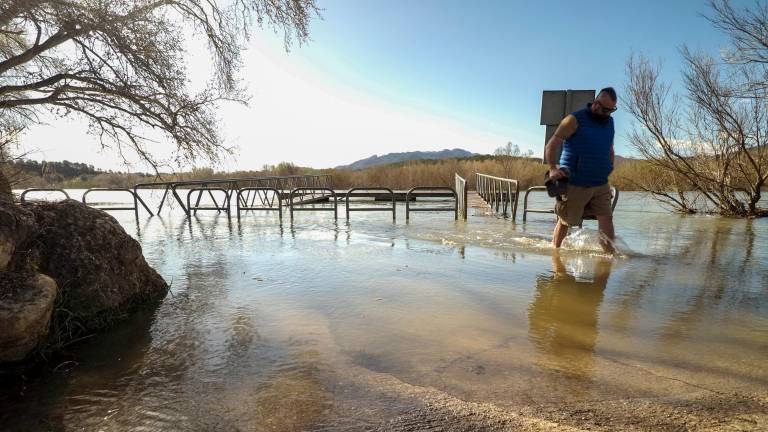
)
(346, 325)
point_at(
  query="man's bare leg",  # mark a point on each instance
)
(557, 264)
(605, 225)
(561, 231)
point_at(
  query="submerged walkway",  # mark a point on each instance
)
(478, 205)
(492, 195)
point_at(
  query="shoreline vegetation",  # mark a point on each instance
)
(629, 175)
(401, 175)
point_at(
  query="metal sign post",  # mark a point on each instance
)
(556, 104)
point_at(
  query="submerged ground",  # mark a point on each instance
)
(431, 325)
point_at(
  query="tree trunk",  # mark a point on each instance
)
(6, 195)
(753, 211)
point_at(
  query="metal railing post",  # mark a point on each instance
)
(499, 193)
(411, 191)
(258, 191)
(293, 208)
(461, 191)
(224, 206)
(136, 200)
(22, 198)
(389, 191)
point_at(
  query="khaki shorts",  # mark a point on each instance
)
(584, 201)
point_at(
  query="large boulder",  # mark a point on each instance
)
(67, 267)
(99, 268)
(26, 306)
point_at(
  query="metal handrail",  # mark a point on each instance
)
(411, 191)
(282, 183)
(302, 189)
(321, 180)
(526, 210)
(26, 191)
(498, 192)
(461, 193)
(258, 191)
(384, 189)
(136, 200)
(224, 206)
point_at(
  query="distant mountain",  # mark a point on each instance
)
(406, 156)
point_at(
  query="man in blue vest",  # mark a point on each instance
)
(586, 138)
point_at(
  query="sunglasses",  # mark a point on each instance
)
(605, 110)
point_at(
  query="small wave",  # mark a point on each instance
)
(583, 241)
(591, 241)
(533, 242)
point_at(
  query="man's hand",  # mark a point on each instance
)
(555, 173)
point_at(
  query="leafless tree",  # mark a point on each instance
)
(510, 155)
(711, 143)
(7, 176)
(121, 65)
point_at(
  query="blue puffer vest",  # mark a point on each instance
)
(587, 152)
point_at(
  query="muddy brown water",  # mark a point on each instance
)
(430, 325)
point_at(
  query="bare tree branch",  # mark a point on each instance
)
(714, 146)
(121, 65)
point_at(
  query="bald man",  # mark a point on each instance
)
(586, 138)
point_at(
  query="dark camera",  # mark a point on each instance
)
(557, 188)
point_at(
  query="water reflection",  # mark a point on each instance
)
(76, 394)
(749, 235)
(208, 228)
(257, 224)
(563, 315)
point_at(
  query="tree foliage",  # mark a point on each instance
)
(709, 147)
(121, 65)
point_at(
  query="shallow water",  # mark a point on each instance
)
(343, 325)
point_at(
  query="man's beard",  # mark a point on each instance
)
(602, 117)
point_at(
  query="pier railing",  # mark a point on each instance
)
(267, 196)
(272, 193)
(380, 190)
(23, 197)
(499, 193)
(526, 210)
(224, 207)
(461, 195)
(300, 192)
(136, 200)
(315, 186)
(428, 191)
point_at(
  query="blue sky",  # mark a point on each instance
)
(486, 62)
(384, 76)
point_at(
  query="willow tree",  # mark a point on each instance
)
(708, 149)
(120, 64)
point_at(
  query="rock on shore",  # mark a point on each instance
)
(67, 267)
(26, 307)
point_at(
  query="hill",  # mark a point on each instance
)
(391, 158)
